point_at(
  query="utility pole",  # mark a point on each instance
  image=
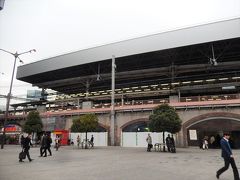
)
(16, 56)
(112, 122)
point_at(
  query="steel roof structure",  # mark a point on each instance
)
(209, 51)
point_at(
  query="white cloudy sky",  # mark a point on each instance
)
(55, 27)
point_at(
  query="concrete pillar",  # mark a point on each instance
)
(173, 99)
(122, 100)
(113, 120)
(180, 139)
(87, 105)
(41, 108)
(78, 103)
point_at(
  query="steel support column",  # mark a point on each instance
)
(112, 123)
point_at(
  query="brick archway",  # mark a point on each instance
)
(207, 117)
(134, 121)
(104, 126)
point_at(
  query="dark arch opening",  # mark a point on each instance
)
(213, 129)
(13, 122)
(140, 126)
(101, 129)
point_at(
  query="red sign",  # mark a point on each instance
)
(11, 129)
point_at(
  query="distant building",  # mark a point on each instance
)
(35, 94)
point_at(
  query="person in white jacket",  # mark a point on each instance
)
(149, 141)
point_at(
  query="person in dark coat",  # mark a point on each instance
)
(26, 146)
(22, 140)
(43, 148)
(173, 148)
(228, 157)
(91, 141)
(168, 143)
(49, 142)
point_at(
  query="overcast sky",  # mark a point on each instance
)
(55, 27)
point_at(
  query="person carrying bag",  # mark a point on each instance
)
(25, 149)
(22, 155)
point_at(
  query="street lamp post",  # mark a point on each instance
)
(16, 56)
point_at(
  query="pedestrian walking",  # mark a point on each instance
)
(228, 157)
(43, 147)
(212, 142)
(173, 147)
(26, 147)
(169, 143)
(48, 144)
(91, 141)
(72, 143)
(149, 141)
(78, 141)
(57, 142)
(205, 143)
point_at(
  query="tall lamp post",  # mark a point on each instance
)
(16, 56)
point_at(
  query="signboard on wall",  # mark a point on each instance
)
(12, 128)
(193, 134)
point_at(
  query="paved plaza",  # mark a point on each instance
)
(113, 163)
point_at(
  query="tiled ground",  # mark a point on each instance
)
(113, 163)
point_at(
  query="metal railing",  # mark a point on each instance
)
(183, 101)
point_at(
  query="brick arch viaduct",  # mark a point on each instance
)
(126, 117)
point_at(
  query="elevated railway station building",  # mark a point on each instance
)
(194, 69)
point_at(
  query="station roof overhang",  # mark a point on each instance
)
(164, 57)
(31, 103)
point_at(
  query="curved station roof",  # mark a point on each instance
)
(203, 57)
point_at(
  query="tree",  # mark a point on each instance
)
(164, 119)
(33, 123)
(85, 123)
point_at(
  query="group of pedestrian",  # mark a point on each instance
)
(46, 141)
(45, 145)
(170, 142)
(209, 142)
(205, 143)
(91, 142)
(227, 154)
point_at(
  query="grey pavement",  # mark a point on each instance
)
(113, 163)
